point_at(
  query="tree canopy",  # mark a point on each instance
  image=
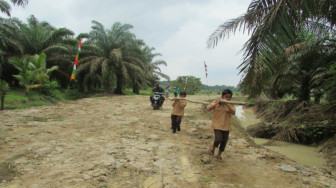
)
(291, 47)
(111, 59)
(190, 83)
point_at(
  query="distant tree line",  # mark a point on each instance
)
(218, 88)
(194, 85)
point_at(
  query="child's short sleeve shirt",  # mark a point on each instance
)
(221, 117)
(178, 107)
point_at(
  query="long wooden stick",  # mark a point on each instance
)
(201, 102)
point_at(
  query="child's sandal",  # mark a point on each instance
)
(211, 152)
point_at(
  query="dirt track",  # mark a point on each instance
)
(120, 141)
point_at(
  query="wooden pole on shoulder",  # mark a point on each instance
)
(201, 102)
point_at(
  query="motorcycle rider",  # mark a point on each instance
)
(157, 88)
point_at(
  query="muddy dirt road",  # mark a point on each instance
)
(120, 141)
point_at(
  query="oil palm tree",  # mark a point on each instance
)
(3, 91)
(152, 70)
(32, 71)
(275, 17)
(9, 46)
(274, 27)
(35, 37)
(135, 65)
(41, 72)
(147, 71)
(25, 76)
(107, 56)
(295, 67)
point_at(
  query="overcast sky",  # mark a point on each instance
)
(178, 29)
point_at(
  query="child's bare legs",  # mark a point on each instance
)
(173, 120)
(219, 155)
(178, 123)
(212, 150)
(221, 138)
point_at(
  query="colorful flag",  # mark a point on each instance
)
(206, 70)
(76, 60)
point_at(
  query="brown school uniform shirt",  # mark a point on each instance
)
(221, 117)
(178, 107)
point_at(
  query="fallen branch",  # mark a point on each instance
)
(201, 102)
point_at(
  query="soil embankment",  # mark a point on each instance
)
(303, 123)
(120, 141)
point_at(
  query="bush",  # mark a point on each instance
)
(50, 89)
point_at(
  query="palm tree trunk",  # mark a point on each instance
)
(304, 94)
(26, 91)
(2, 102)
(120, 81)
(317, 98)
(136, 89)
(109, 88)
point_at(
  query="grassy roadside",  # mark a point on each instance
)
(16, 98)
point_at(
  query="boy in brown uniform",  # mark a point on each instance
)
(178, 112)
(221, 119)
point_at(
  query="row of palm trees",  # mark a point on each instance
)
(292, 48)
(111, 59)
(115, 57)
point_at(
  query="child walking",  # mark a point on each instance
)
(221, 120)
(167, 91)
(178, 112)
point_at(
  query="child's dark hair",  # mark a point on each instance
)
(226, 91)
(183, 93)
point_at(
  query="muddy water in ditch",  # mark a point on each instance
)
(302, 154)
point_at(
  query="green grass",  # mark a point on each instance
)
(16, 96)
(129, 91)
(206, 180)
(7, 168)
(28, 105)
(147, 91)
(7, 171)
(17, 99)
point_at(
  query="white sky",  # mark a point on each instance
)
(178, 29)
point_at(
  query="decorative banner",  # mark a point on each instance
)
(185, 86)
(76, 60)
(206, 70)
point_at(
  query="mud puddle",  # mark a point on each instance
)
(306, 155)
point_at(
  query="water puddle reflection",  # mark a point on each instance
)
(306, 155)
(246, 116)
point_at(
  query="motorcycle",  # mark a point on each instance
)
(157, 100)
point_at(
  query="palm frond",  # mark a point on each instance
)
(159, 62)
(56, 48)
(5, 7)
(20, 2)
(162, 75)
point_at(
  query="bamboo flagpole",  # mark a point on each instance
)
(206, 77)
(72, 77)
(206, 72)
(201, 102)
(185, 86)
